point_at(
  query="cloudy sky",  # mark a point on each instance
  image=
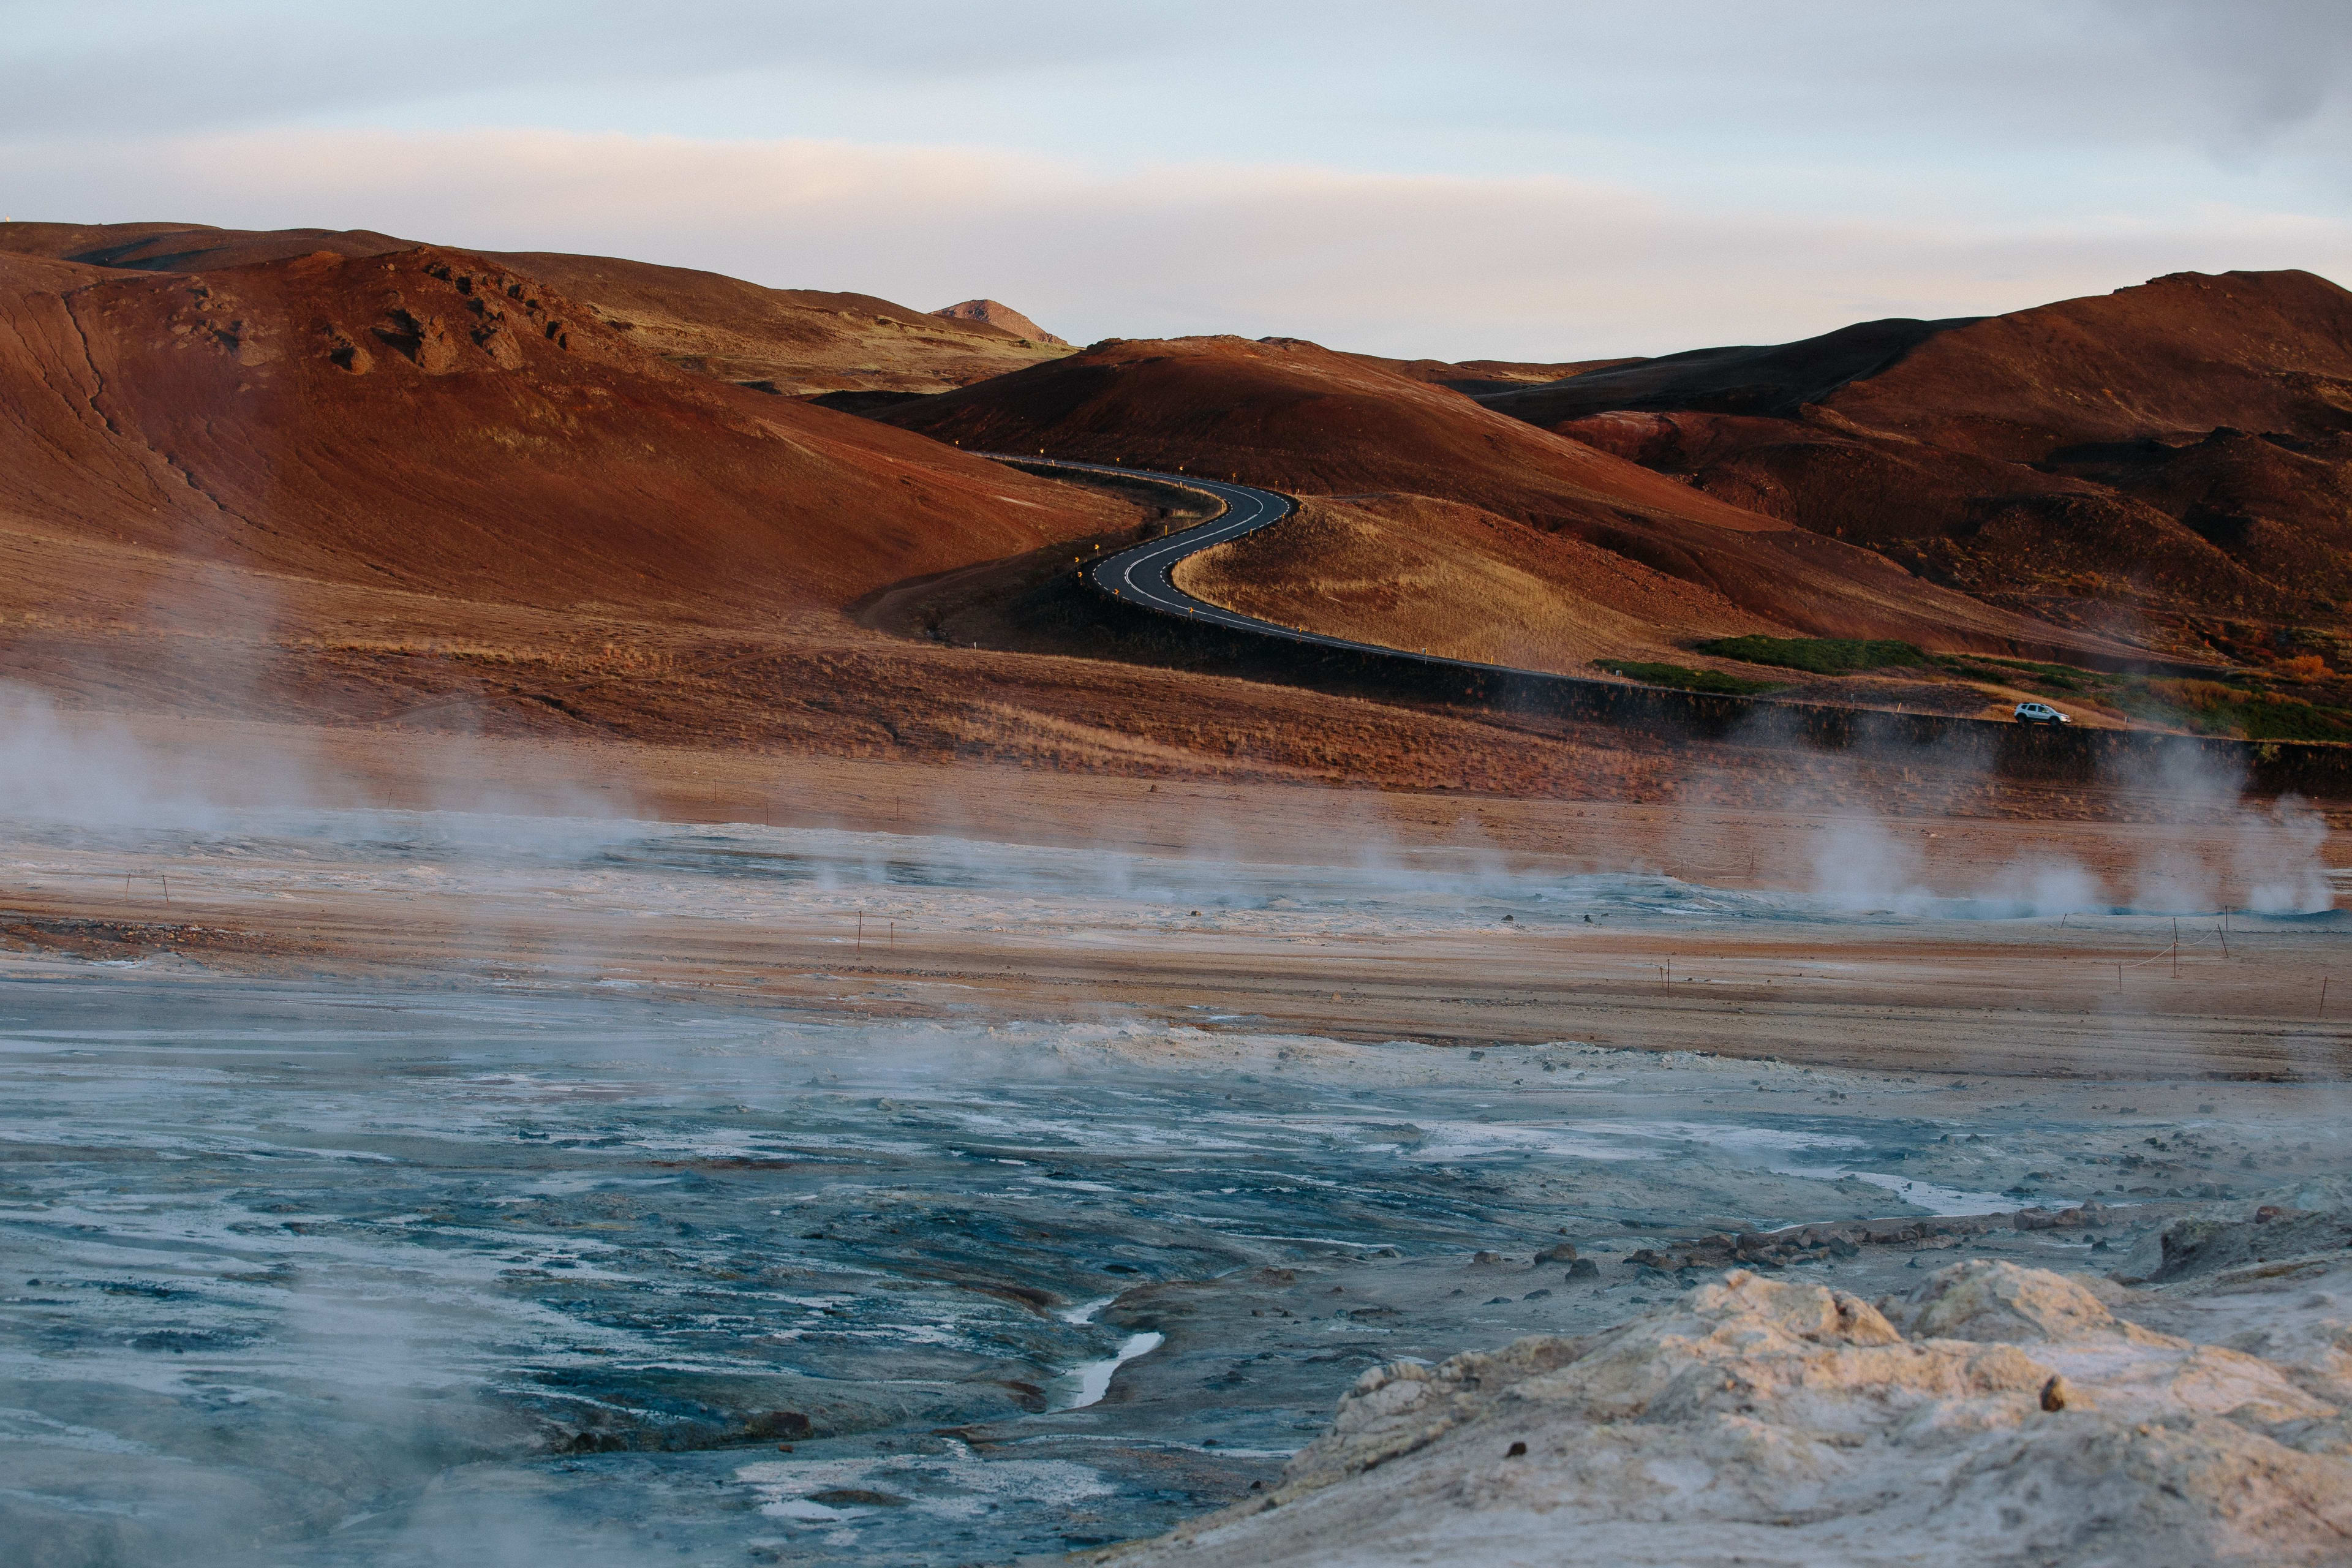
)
(1521, 180)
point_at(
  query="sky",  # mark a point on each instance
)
(1529, 181)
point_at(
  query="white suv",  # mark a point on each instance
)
(2040, 713)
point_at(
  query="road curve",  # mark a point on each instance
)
(1144, 574)
(1140, 576)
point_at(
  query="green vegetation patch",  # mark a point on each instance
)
(1817, 656)
(1682, 679)
(2210, 707)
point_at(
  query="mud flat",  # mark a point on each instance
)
(414, 1187)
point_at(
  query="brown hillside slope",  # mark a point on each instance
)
(1303, 419)
(1399, 569)
(438, 423)
(792, 340)
(2085, 462)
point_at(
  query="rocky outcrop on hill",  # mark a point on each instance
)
(1994, 1414)
(1002, 317)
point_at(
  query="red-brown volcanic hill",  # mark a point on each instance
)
(2081, 462)
(1306, 420)
(791, 341)
(2176, 357)
(434, 421)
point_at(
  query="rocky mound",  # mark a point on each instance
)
(433, 422)
(1995, 1415)
(1301, 418)
(2176, 452)
(1001, 316)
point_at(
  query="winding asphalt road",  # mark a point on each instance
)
(1143, 575)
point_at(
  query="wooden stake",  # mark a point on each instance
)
(861, 930)
(2322, 996)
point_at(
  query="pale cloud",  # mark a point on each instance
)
(1444, 265)
(1533, 178)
